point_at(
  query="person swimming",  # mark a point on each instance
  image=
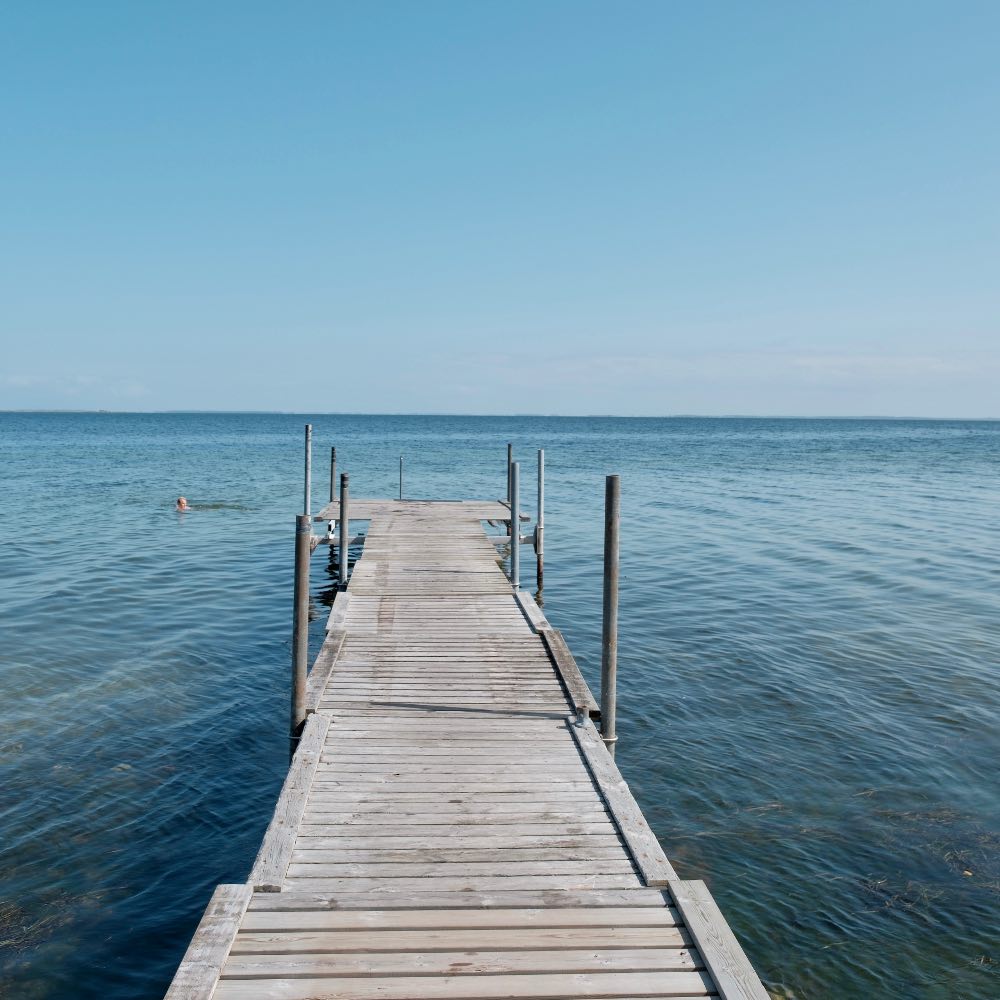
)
(182, 503)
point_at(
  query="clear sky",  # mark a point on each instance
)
(529, 207)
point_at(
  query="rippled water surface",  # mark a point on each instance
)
(808, 691)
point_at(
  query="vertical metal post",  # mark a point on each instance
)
(300, 626)
(309, 453)
(345, 529)
(609, 631)
(510, 459)
(540, 521)
(400, 477)
(515, 526)
(333, 474)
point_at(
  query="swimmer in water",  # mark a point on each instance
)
(182, 504)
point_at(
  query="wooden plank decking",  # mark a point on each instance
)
(452, 825)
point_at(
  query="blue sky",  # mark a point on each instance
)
(471, 207)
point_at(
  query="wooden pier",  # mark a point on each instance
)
(452, 825)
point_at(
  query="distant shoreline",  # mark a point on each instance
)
(513, 416)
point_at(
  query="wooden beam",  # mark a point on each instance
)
(576, 688)
(269, 869)
(532, 612)
(649, 858)
(319, 676)
(338, 613)
(199, 971)
(726, 961)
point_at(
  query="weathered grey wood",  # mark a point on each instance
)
(577, 691)
(318, 916)
(532, 612)
(725, 960)
(450, 854)
(471, 901)
(276, 850)
(319, 676)
(538, 987)
(463, 883)
(464, 963)
(458, 939)
(643, 845)
(199, 971)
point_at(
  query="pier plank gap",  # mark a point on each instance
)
(452, 825)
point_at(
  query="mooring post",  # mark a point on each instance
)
(333, 474)
(609, 631)
(300, 626)
(540, 520)
(308, 476)
(345, 535)
(510, 459)
(515, 526)
(400, 477)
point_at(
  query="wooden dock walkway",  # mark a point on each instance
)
(452, 825)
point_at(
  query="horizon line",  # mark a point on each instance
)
(505, 416)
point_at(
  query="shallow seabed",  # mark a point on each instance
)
(808, 697)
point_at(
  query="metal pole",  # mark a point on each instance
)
(609, 632)
(515, 526)
(540, 521)
(309, 454)
(333, 474)
(345, 537)
(400, 477)
(300, 627)
(510, 458)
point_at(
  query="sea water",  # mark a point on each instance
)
(808, 671)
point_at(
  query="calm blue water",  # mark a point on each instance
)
(810, 636)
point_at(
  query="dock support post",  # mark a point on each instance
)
(400, 477)
(510, 459)
(308, 477)
(345, 534)
(333, 474)
(540, 521)
(515, 525)
(609, 631)
(300, 626)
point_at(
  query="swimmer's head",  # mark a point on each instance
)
(182, 503)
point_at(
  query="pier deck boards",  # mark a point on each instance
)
(450, 827)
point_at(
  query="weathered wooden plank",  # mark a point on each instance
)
(367, 853)
(543, 986)
(591, 812)
(472, 882)
(334, 838)
(319, 676)
(328, 864)
(577, 691)
(480, 829)
(259, 919)
(276, 850)
(465, 963)
(532, 612)
(456, 939)
(635, 831)
(476, 900)
(727, 963)
(338, 612)
(199, 971)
